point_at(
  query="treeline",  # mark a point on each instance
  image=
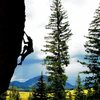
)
(42, 91)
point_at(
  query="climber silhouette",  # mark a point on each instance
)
(27, 49)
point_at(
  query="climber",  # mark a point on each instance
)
(27, 49)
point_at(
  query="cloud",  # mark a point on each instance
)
(79, 19)
(80, 14)
(79, 3)
(31, 59)
(31, 67)
(74, 69)
(25, 72)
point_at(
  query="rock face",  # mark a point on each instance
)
(12, 18)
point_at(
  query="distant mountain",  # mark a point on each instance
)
(32, 83)
(69, 86)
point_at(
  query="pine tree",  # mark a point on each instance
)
(40, 92)
(92, 57)
(14, 94)
(90, 95)
(31, 96)
(57, 57)
(70, 96)
(79, 89)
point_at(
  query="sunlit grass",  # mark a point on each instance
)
(25, 95)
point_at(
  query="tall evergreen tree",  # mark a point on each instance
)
(30, 97)
(40, 92)
(70, 96)
(14, 94)
(90, 95)
(92, 57)
(79, 89)
(57, 49)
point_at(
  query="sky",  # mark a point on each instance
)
(80, 14)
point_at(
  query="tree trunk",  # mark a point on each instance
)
(12, 18)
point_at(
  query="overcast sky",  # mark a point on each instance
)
(80, 14)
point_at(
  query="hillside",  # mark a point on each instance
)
(32, 83)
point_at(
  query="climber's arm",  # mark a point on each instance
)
(25, 41)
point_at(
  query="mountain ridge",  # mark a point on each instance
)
(32, 83)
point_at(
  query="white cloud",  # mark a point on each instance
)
(35, 25)
(80, 14)
(25, 72)
(74, 67)
(73, 70)
(79, 18)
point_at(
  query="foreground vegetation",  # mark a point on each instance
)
(42, 91)
(70, 94)
(23, 95)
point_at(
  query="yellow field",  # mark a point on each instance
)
(23, 95)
